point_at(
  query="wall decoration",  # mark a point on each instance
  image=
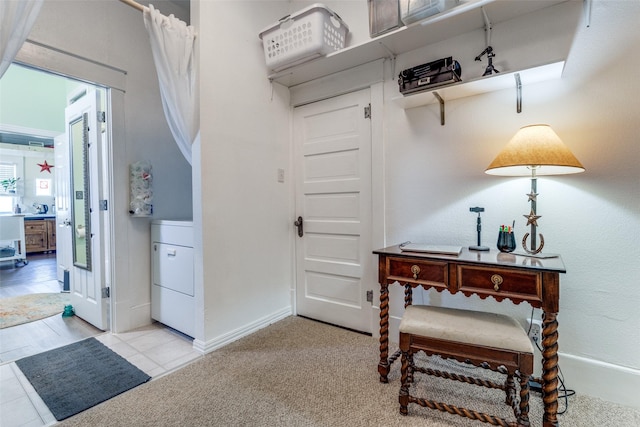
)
(45, 167)
(141, 190)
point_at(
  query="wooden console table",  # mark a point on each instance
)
(499, 275)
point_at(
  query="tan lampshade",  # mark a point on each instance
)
(535, 146)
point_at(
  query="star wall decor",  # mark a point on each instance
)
(532, 196)
(45, 167)
(532, 218)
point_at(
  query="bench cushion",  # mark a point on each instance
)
(466, 326)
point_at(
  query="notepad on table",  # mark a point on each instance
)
(433, 249)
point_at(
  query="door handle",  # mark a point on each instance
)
(298, 224)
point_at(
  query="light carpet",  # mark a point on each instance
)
(298, 372)
(28, 308)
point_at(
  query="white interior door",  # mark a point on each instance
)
(88, 263)
(334, 264)
(64, 257)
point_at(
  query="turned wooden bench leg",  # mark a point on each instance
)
(405, 381)
(510, 389)
(523, 419)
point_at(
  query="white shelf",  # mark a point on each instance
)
(482, 85)
(459, 20)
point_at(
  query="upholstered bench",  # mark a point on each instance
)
(488, 340)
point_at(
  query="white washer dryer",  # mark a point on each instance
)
(172, 287)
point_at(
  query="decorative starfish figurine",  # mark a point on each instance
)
(532, 218)
(532, 196)
(45, 167)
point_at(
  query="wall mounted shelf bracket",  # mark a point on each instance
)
(441, 101)
(487, 26)
(518, 93)
(587, 12)
(391, 57)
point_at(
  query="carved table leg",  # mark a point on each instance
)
(550, 369)
(383, 366)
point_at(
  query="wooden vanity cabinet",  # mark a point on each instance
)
(40, 235)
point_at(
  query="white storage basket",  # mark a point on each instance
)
(312, 32)
(417, 10)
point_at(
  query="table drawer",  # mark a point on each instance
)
(499, 282)
(35, 226)
(430, 273)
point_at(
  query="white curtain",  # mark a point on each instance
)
(16, 19)
(173, 48)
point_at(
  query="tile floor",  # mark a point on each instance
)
(36, 337)
(155, 349)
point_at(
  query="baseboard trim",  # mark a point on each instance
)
(606, 381)
(225, 339)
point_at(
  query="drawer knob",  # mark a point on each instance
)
(496, 279)
(415, 270)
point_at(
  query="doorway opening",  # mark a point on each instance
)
(32, 123)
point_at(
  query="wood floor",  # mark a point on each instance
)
(38, 276)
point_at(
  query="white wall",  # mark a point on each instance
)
(109, 32)
(435, 173)
(244, 212)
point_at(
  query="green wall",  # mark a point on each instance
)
(32, 99)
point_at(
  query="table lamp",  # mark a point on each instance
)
(533, 151)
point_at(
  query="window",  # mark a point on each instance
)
(6, 204)
(8, 197)
(7, 171)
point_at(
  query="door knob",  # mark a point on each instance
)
(298, 224)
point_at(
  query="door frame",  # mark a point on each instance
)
(56, 61)
(370, 75)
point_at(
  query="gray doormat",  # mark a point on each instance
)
(78, 376)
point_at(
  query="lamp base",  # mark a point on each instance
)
(478, 248)
(533, 249)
